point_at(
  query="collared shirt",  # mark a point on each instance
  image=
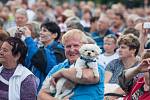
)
(82, 91)
(116, 67)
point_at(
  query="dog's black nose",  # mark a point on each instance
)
(89, 53)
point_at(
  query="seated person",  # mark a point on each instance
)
(128, 49)
(16, 81)
(110, 46)
(137, 89)
(94, 88)
(43, 55)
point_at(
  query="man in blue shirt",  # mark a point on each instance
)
(88, 87)
(103, 30)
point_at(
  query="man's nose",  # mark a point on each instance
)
(1, 52)
(72, 48)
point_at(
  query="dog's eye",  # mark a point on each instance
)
(85, 50)
(92, 50)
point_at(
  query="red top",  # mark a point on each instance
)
(137, 86)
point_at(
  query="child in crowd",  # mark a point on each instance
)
(109, 50)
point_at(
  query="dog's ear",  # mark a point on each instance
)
(81, 49)
(99, 51)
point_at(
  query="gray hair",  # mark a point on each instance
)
(22, 12)
(74, 23)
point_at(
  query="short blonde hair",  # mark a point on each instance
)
(75, 33)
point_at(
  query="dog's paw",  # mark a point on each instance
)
(78, 75)
(60, 97)
(52, 89)
(96, 75)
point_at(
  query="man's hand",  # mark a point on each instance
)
(70, 73)
(87, 77)
(144, 66)
(52, 81)
(68, 96)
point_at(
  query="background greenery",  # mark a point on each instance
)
(128, 3)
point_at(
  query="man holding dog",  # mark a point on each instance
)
(88, 87)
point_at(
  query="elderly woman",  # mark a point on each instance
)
(16, 81)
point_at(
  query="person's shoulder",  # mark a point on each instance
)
(57, 45)
(24, 70)
(60, 46)
(115, 61)
(12, 30)
(63, 64)
(109, 32)
(94, 33)
(112, 64)
(30, 78)
(101, 67)
(29, 84)
(101, 55)
(58, 67)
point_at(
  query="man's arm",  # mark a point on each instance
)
(108, 76)
(44, 92)
(43, 95)
(144, 66)
(87, 78)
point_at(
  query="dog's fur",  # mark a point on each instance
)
(89, 53)
(88, 59)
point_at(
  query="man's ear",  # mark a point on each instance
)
(133, 51)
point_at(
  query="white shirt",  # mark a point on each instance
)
(15, 81)
(104, 60)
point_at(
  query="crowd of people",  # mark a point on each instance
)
(40, 44)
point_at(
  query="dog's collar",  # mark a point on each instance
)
(87, 60)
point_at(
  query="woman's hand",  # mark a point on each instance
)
(27, 32)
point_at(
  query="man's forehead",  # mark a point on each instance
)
(73, 42)
(103, 20)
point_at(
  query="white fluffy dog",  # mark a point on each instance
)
(88, 55)
(88, 59)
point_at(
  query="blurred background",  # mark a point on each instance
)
(128, 3)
